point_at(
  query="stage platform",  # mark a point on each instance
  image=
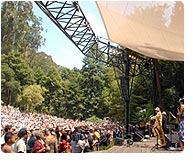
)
(144, 146)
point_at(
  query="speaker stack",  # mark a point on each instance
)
(138, 136)
(172, 139)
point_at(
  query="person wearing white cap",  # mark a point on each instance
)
(157, 127)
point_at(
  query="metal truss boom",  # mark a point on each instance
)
(70, 19)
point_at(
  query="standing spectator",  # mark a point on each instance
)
(181, 124)
(20, 144)
(31, 142)
(51, 141)
(78, 142)
(115, 133)
(63, 143)
(9, 140)
(8, 128)
(87, 145)
(38, 146)
(90, 140)
(68, 140)
(58, 133)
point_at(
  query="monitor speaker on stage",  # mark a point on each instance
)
(118, 141)
(172, 138)
(138, 136)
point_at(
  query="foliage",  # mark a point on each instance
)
(20, 28)
(41, 61)
(106, 147)
(31, 98)
(172, 80)
(142, 114)
(15, 74)
(95, 119)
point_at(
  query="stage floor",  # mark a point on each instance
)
(144, 146)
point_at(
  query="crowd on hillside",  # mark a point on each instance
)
(40, 133)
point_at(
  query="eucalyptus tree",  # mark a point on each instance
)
(20, 28)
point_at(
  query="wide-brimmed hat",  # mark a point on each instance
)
(67, 129)
(164, 113)
(157, 109)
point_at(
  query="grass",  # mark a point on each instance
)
(106, 147)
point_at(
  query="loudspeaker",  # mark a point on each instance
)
(138, 136)
(118, 141)
(172, 138)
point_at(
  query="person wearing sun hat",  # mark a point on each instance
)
(157, 127)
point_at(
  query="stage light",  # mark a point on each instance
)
(75, 3)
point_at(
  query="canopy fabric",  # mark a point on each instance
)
(154, 29)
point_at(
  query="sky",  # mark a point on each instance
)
(58, 46)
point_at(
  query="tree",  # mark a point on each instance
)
(31, 98)
(22, 72)
(41, 61)
(111, 96)
(53, 96)
(15, 74)
(74, 106)
(172, 78)
(20, 28)
(9, 86)
(92, 85)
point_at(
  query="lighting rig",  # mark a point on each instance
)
(70, 19)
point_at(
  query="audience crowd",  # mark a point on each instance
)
(41, 133)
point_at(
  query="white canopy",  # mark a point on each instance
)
(154, 29)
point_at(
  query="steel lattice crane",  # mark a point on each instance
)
(70, 19)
